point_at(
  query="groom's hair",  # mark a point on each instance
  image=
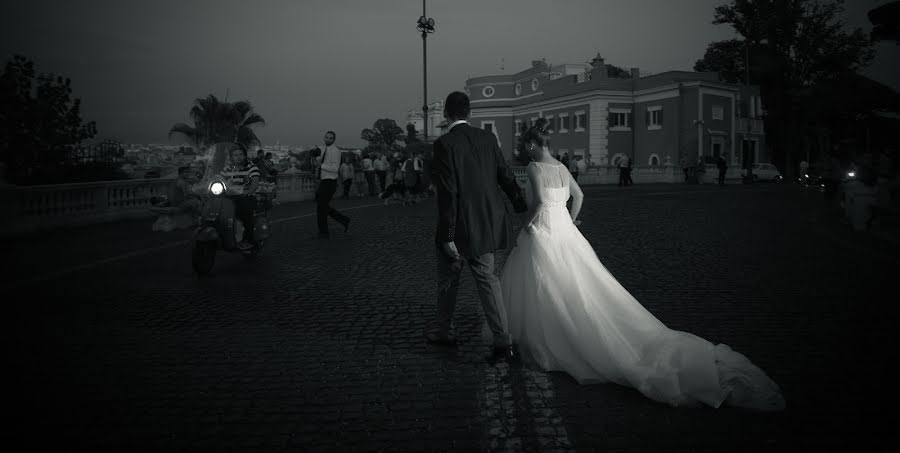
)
(457, 105)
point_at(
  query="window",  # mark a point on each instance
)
(551, 121)
(654, 160)
(580, 121)
(619, 119)
(564, 122)
(487, 92)
(718, 112)
(488, 127)
(518, 128)
(654, 117)
(518, 89)
(534, 85)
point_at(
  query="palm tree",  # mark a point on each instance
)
(216, 121)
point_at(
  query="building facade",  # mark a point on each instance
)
(655, 119)
(435, 118)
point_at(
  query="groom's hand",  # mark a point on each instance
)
(451, 251)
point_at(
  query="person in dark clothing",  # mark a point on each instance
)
(723, 168)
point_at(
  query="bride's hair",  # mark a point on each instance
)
(538, 133)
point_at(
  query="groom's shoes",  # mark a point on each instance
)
(503, 354)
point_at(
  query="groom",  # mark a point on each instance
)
(472, 224)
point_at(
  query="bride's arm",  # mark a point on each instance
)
(577, 198)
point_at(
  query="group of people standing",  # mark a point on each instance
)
(409, 183)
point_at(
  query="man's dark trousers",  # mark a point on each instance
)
(327, 187)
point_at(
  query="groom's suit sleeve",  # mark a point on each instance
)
(444, 178)
(507, 181)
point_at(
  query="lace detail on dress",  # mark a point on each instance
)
(555, 195)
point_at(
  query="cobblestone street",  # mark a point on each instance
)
(318, 346)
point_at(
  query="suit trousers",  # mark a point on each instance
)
(324, 194)
(489, 293)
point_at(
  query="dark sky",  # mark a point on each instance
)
(312, 65)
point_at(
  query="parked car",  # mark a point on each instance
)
(765, 172)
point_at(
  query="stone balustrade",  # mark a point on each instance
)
(610, 175)
(32, 208)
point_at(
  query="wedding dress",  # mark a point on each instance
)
(568, 313)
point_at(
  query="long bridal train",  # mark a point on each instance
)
(568, 313)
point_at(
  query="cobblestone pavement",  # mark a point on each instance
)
(318, 346)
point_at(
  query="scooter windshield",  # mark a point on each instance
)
(218, 160)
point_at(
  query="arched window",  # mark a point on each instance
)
(615, 160)
(654, 160)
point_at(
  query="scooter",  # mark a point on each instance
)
(221, 229)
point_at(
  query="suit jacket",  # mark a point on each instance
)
(467, 169)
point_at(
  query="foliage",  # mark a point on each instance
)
(726, 58)
(616, 72)
(794, 46)
(411, 134)
(886, 22)
(215, 121)
(39, 120)
(383, 137)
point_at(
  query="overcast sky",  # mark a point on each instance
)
(312, 65)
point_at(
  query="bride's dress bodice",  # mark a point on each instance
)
(555, 194)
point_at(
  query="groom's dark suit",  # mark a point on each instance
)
(466, 170)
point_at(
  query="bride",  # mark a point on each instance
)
(568, 313)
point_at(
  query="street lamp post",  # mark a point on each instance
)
(426, 26)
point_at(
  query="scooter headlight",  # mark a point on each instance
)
(217, 187)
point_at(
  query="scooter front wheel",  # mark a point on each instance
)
(203, 256)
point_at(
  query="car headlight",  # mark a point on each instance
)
(217, 187)
(851, 174)
(806, 176)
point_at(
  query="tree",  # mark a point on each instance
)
(886, 22)
(616, 72)
(726, 58)
(39, 120)
(793, 46)
(411, 134)
(216, 121)
(383, 136)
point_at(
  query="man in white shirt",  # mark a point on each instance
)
(329, 164)
(369, 172)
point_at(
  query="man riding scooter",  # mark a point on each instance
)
(242, 173)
